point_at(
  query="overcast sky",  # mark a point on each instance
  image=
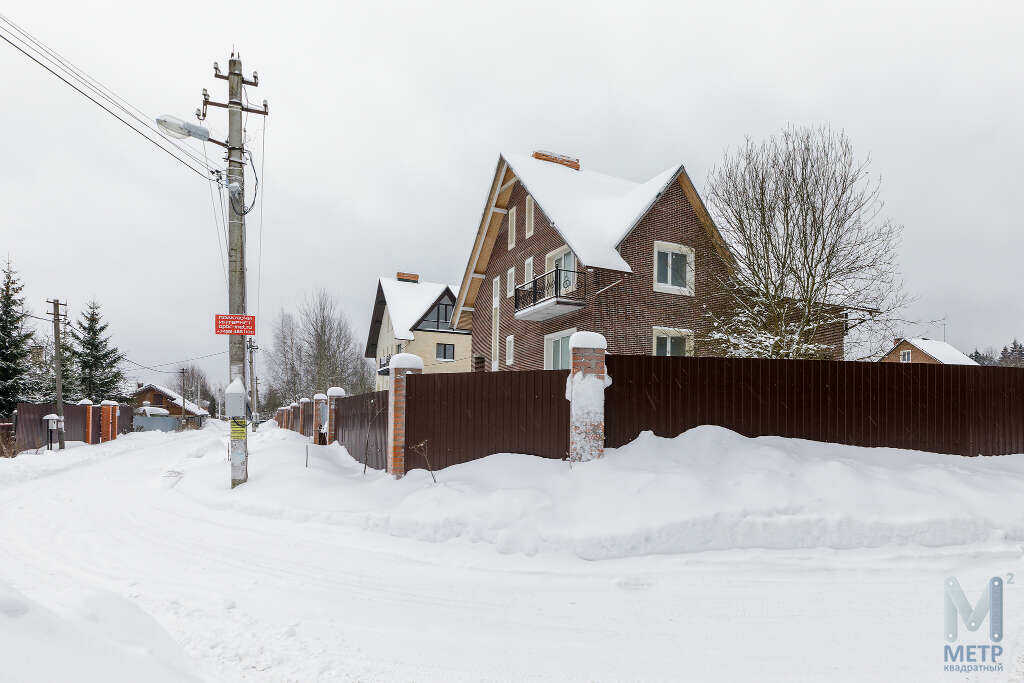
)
(387, 119)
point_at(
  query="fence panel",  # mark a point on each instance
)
(361, 426)
(963, 410)
(458, 417)
(30, 432)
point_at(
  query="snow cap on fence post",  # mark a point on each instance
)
(584, 389)
(402, 364)
(334, 394)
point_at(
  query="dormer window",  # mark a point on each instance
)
(439, 317)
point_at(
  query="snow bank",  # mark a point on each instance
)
(707, 489)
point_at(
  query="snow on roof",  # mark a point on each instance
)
(941, 351)
(175, 398)
(408, 301)
(592, 211)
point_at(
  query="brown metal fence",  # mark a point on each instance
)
(958, 409)
(460, 417)
(307, 419)
(30, 432)
(293, 423)
(361, 426)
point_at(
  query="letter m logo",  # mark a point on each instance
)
(990, 605)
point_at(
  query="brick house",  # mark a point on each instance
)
(924, 350)
(637, 262)
(414, 316)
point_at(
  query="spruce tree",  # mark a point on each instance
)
(14, 341)
(97, 359)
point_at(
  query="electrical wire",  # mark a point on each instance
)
(181, 160)
(263, 196)
(177, 362)
(217, 223)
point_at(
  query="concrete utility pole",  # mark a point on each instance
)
(251, 345)
(182, 423)
(58, 367)
(236, 242)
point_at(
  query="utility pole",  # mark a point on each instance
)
(236, 241)
(183, 399)
(58, 366)
(251, 345)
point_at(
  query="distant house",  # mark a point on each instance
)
(924, 350)
(161, 397)
(560, 248)
(414, 316)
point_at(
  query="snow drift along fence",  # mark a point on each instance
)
(361, 426)
(460, 417)
(966, 410)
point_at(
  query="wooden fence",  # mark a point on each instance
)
(966, 410)
(361, 426)
(458, 417)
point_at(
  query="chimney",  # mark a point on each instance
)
(138, 385)
(554, 158)
(407, 277)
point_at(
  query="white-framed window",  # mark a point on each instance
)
(905, 356)
(495, 320)
(445, 352)
(563, 261)
(529, 216)
(511, 228)
(510, 282)
(671, 341)
(510, 350)
(528, 270)
(557, 355)
(673, 268)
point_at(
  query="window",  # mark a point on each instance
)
(556, 350)
(439, 317)
(563, 261)
(446, 351)
(529, 216)
(495, 311)
(398, 348)
(510, 350)
(673, 268)
(905, 356)
(158, 400)
(510, 282)
(528, 270)
(511, 228)
(672, 341)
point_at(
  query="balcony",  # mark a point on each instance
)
(383, 365)
(556, 292)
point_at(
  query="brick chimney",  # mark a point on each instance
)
(407, 277)
(555, 158)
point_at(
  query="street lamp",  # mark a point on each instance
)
(177, 128)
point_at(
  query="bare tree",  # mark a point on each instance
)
(810, 248)
(315, 349)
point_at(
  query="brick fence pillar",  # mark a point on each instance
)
(88, 419)
(584, 389)
(320, 419)
(334, 396)
(108, 421)
(402, 365)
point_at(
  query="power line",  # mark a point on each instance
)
(99, 104)
(177, 362)
(263, 196)
(217, 225)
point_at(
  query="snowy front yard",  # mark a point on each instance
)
(706, 557)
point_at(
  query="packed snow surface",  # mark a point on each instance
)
(709, 556)
(942, 352)
(591, 210)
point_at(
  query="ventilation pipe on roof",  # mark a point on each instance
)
(556, 158)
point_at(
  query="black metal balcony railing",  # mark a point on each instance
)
(554, 284)
(382, 365)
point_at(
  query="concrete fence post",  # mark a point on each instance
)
(334, 396)
(108, 420)
(402, 365)
(584, 389)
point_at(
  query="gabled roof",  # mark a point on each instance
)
(592, 212)
(175, 398)
(407, 303)
(940, 351)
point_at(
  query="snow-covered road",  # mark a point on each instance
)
(133, 561)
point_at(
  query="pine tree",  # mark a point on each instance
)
(14, 341)
(97, 359)
(41, 378)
